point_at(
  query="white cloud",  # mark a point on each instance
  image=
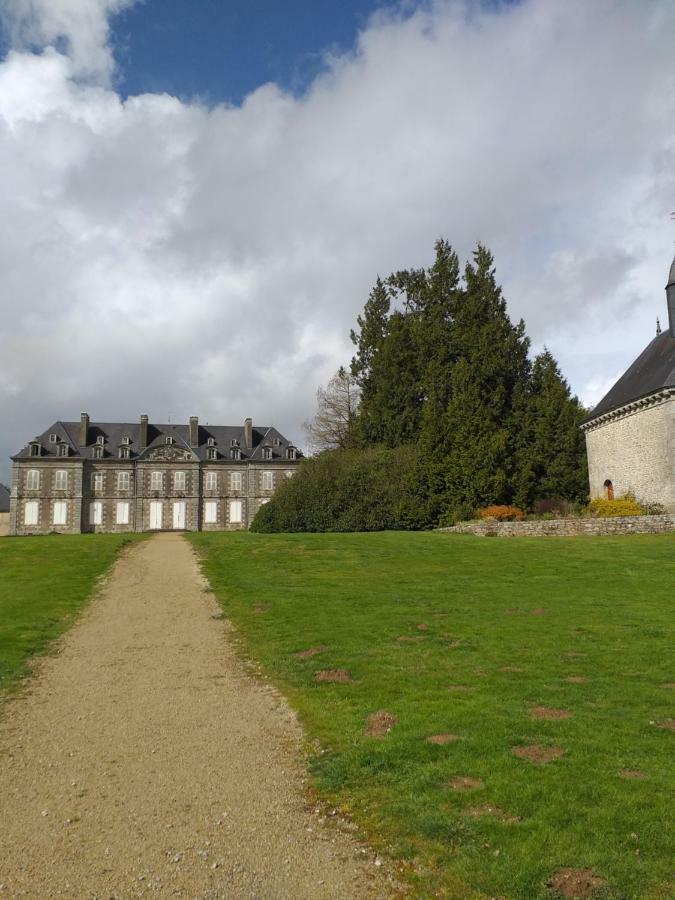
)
(164, 257)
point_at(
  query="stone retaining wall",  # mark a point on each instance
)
(567, 527)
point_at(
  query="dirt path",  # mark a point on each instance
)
(144, 761)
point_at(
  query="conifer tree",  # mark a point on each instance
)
(552, 451)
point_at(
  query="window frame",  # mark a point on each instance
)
(179, 476)
(57, 480)
(231, 506)
(97, 482)
(29, 479)
(211, 519)
(267, 481)
(124, 475)
(157, 475)
(211, 481)
(32, 504)
(96, 512)
(122, 504)
(236, 481)
(61, 504)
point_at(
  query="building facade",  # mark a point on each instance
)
(115, 477)
(630, 435)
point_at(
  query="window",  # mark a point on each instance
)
(234, 442)
(236, 453)
(609, 490)
(235, 512)
(122, 512)
(60, 482)
(235, 481)
(124, 453)
(291, 453)
(126, 441)
(100, 440)
(123, 481)
(35, 449)
(97, 482)
(31, 512)
(96, 513)
(179, 481)
(168, 440)
(156, 481)
(211, 483)
(62, 450)
(59, 512)
(53, 438)
(211, 442)
(267, 453)
(289, 473)
(211, 453)
(268, 481)
(32, 480)
(210, 512)
(97, 452)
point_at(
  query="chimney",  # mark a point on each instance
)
(143, 438)
(84, 429)
(194, 431)
(248, 433)
(670, 295)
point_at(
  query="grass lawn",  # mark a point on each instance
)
(463, 636)
(44, 583)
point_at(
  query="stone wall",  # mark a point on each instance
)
(4, 523)
(634, 448)
(569, 527)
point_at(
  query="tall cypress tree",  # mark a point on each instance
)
(487, 381)
(552, 451)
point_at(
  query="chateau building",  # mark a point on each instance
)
(630, 435)
(87, 476)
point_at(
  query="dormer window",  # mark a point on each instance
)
(277, 442)
(124, 452)
(35, 449)
(235, 453)
(98, 451)
(291, 453)
(234, 442)
(211, 442)
(53, 438)
(211, 453)
(267, 453)
(126, 441)
(100, 440)
(62, 450)
(168, 441)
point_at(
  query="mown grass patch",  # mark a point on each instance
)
(44, 583)
(459, 636)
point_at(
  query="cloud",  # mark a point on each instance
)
(80, 26)
(171, 258)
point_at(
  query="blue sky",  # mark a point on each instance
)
(178, 240)
(221, 50)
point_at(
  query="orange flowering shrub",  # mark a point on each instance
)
(502, 513)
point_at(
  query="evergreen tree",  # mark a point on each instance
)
(487, 382)
(552, 452)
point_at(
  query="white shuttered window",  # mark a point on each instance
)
(156, 481)
(211, 483)
(61, 480)
(59, 512)
(210, 512)
(179, 481)
(122, 513)
(235, 512)
(123, 481)
(268, 481)
(33, 480)
(235, 481)
(96, 513)
(31, 512)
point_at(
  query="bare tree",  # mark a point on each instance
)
(333, 425)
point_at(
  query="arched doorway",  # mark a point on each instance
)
(609, 490)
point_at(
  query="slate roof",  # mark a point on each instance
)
(113, 434)
(652, 371)
(4, 499)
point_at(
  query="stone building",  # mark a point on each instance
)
(630, 435)
(4, 510)
(86, 476)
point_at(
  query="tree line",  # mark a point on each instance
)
(442, 386)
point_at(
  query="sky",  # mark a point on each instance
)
(198, 195)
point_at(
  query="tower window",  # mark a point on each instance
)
(609, 490)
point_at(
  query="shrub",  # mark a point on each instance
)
(502, 513)
(653, 509)
(626, 505)
(455, 514)
(553, 507)
(352, 490)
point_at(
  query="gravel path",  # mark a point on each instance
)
(144, 761)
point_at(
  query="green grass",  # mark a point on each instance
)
(610, 599)
(44, 583)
